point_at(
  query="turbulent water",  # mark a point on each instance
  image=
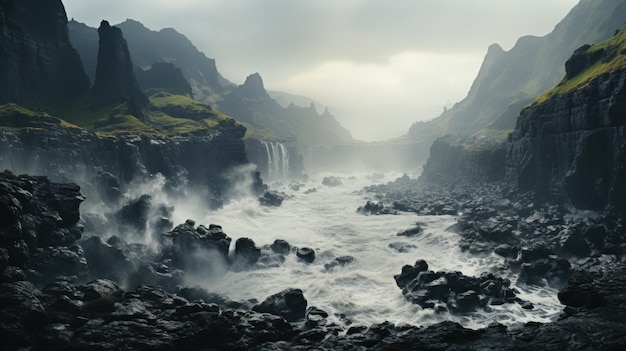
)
(363, 292)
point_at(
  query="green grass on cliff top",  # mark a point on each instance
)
(616, 46)
(15, 117)
(168, 116)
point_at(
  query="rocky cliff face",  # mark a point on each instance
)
(574, 144)
(37, 61)
(79, 156)
(115, 78)
(456, 158)
(533, 65)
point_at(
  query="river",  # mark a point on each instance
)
(363, 292)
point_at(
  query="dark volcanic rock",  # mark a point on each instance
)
(572, 144)
(338, 262)
(272, 198)
(457, 292)
(115, 77)
(289, 304)
(306, 253)
(37, 60)
(78, 156)
(246, 253)
(375, 208)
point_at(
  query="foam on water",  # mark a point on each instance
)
(365, 291)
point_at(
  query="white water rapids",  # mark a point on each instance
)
(364, 291)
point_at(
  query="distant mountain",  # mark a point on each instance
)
(285, 99)
(148, 46)
(509, 80)
(250, 104)
(291, 119)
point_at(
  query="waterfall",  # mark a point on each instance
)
(277, 161)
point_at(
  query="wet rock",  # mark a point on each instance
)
(246, 253)
(289, 304)
(551, 271)
(195, 250)
(375, 208)
(306, 254)
(272, 199)
(581, 292)
(51, 262)
(21, 313)
(4, 259)
(315, 317)
(338, 262)
(280, 246)
(105, 260)
(574, 243)
(108, 186)
(401, 247)
(457, 292)
(412, 232)
(409, 273)
(331, 181)
(100, 288)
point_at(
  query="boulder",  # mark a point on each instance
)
(272, 199)
(306, 254)
(289, 304)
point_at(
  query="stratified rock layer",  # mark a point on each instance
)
(574, 144)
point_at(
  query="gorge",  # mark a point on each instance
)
(145, 213)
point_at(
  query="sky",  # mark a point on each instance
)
(379, 65)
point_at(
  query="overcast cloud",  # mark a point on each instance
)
(379, 65)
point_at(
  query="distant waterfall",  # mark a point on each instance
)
(277, 161)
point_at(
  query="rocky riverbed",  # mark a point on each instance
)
(62, 287)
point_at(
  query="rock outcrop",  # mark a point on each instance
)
(572, 144)
(76, 155)
(37, 60)
(456, 158)
(164, 76)
(115, 77)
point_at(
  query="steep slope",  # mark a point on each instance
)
(572, 141)
(37, 61)
(507, 81)
(168, 45)
(148, 46)
(115, 78)
(250, 104)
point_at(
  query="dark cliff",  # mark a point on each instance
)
(572, 141)
(115, 78)
(509, 80)
(164, 76)
(455, 158)
(37, 62)
(76, 155)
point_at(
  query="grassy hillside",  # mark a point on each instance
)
(603, 58)
(168, 116)
(510, 80)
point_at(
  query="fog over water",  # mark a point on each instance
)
(364, 291)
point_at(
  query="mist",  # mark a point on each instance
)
(377, 65)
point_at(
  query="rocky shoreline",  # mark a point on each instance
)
(61, 288)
